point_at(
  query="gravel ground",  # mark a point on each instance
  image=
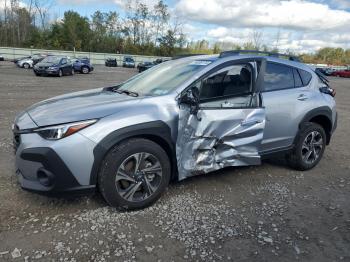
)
(264, 213)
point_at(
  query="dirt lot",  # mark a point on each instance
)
(265, 213)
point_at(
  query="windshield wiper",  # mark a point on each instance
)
(127, 92)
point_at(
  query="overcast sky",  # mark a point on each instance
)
(300, 25)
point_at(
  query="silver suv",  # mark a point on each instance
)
(182, 118)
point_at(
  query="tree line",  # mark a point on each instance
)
(142, 30)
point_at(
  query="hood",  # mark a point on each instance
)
(78, 106)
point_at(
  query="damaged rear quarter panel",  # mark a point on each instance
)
(218, 138)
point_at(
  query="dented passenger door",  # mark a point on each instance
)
(221, 120)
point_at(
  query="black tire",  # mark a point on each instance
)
(72, 72)
(116, 158)
(85, 70)
(26, 66)
(37, 74)
(295, 158)
(60, 73)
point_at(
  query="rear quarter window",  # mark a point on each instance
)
(305, 76)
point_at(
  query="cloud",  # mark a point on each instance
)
(293, 14)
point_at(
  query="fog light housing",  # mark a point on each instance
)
(45, 177)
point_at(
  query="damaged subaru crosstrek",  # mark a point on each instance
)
(184, 117)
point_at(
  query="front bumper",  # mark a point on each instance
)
(46, 72)
(54, 167)
(52, 177)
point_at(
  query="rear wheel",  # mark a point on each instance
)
(309, 147)
(134, 174)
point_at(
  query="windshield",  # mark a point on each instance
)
(51, 60)
(164, 78)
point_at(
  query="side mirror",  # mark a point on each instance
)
(191, 98)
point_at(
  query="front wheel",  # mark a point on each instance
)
(26, 66)
(309, 147)
(134, 174)
(85, 70)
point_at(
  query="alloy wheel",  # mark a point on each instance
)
(138, 177)
(312, 147)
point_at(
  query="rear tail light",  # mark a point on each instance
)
(328, 90)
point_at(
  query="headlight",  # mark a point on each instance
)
(53, 68)
(64, 130)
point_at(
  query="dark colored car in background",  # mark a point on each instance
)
(342, 73)
(128, 61)
(2, 58)
(144, 66)
(54, 65)
(111, 62)
(82, 65)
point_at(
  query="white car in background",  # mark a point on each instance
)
(29, 62)
(25, 63)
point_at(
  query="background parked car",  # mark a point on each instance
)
(31, 61)
(342, 73)
(128, 61)
(24, 57)
(54, 65)
(82, 65)
(144, 66)
(111, 62)
(2, 58)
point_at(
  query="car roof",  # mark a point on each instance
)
(217, 58)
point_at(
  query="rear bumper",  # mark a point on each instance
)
(335, 125)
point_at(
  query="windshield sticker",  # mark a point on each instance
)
(201, 62)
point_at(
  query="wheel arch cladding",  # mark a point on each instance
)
(321, 116)
(156, 131)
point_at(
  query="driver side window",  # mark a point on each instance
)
(229, 87)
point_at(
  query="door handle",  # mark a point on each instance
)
(302, 97)
(250, 122)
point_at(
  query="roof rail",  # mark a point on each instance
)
(263, 53)
(184, 55)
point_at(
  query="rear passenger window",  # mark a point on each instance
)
(305, 76)
(297, 78)
(277, 77)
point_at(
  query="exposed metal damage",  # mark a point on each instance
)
(217, 138)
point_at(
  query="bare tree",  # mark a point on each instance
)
(257, 39)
